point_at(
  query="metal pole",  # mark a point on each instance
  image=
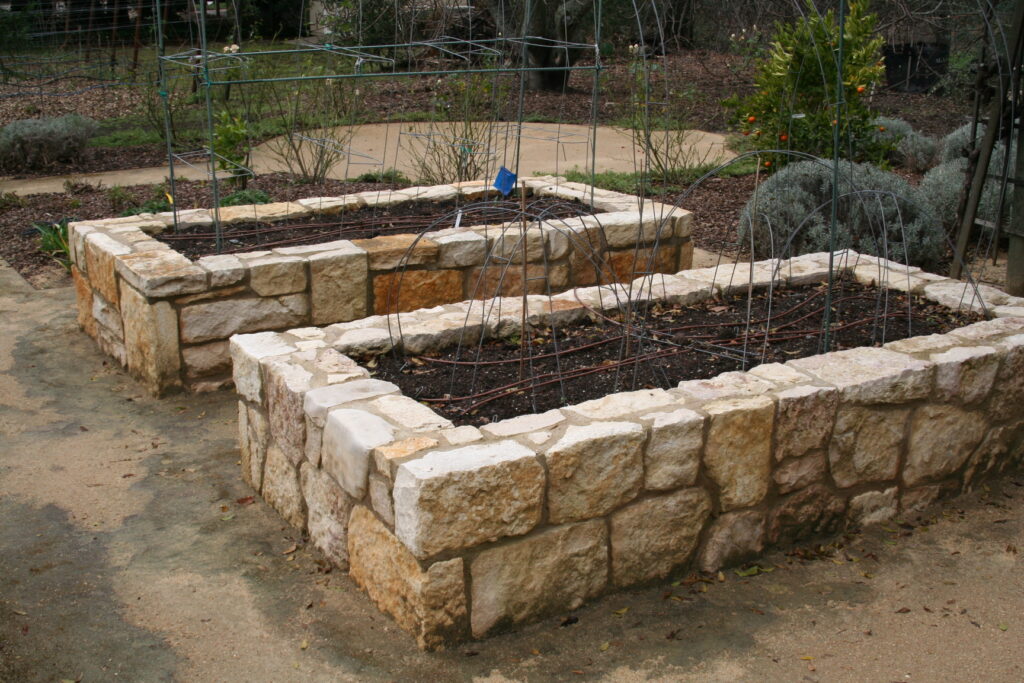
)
(834, 219)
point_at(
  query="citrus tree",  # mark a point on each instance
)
(797, 105)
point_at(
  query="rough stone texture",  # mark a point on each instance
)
(522, 424)
(796, 473)
(733, 538)
(285, 384)
(329, 509)
(244, 447)
(738, 450)
(500, 280)
(460, 436)
(410, 414)
(447, 500)
(314, 442)
(726, 385)
(207, 359)
(804, 420)
(332, 205)
(811, 512)
(1009, 386)
(106, 315)
(459, 248)
(219, 319)
(224, 269)
(781, 375)
(965, 374)
(431, 193)
(247, 351)
(964, 296)
(870, 375)
(412, 289)
(621, 404)
(338, 287)
(388, 457)
(672, 456)
(872, 507)
(593, 470)
(83, 299)
(318, 401)
(918, 499)
(387, 252)
(281, 487)
(508, 243)
(430, 604)
(866, 444)
(151, 341)
(627, 264)
(941, 439)
(101, 253)
(380, 499)
(653, 536)
(274, 211)
(552, 571)
(256, 433)
(348, 439)
(987, 331)
(276, 274)
(161, 273)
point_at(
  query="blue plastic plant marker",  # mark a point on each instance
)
(505, 181)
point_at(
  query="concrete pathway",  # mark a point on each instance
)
(125, 554)
(134, 176)
(543, 148)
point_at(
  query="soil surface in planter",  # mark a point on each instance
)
(549, 368)
(412, 217)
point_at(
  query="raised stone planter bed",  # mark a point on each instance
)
(458, 532)
(168, 319)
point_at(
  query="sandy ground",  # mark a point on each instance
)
(542, 148)
(124, 555)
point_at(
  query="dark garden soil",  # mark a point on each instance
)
(499, 379)
(405, 218)
(19, 241)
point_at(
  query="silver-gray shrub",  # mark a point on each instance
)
(958, 143)
(878, 213)
(34, 144)
(911, 150)
(944, 185)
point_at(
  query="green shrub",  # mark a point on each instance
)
(244, 197)
(392, 176)
(53, 241)
(792, 107)
(119, 198)
(34, 144)
(151, 206)
(879, 213)
(9, 200)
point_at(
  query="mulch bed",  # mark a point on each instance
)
(414, 217)
(100, 159)
(498, 379)
(19, 241)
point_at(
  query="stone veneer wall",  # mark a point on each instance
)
(168, 318)
(457, 531)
